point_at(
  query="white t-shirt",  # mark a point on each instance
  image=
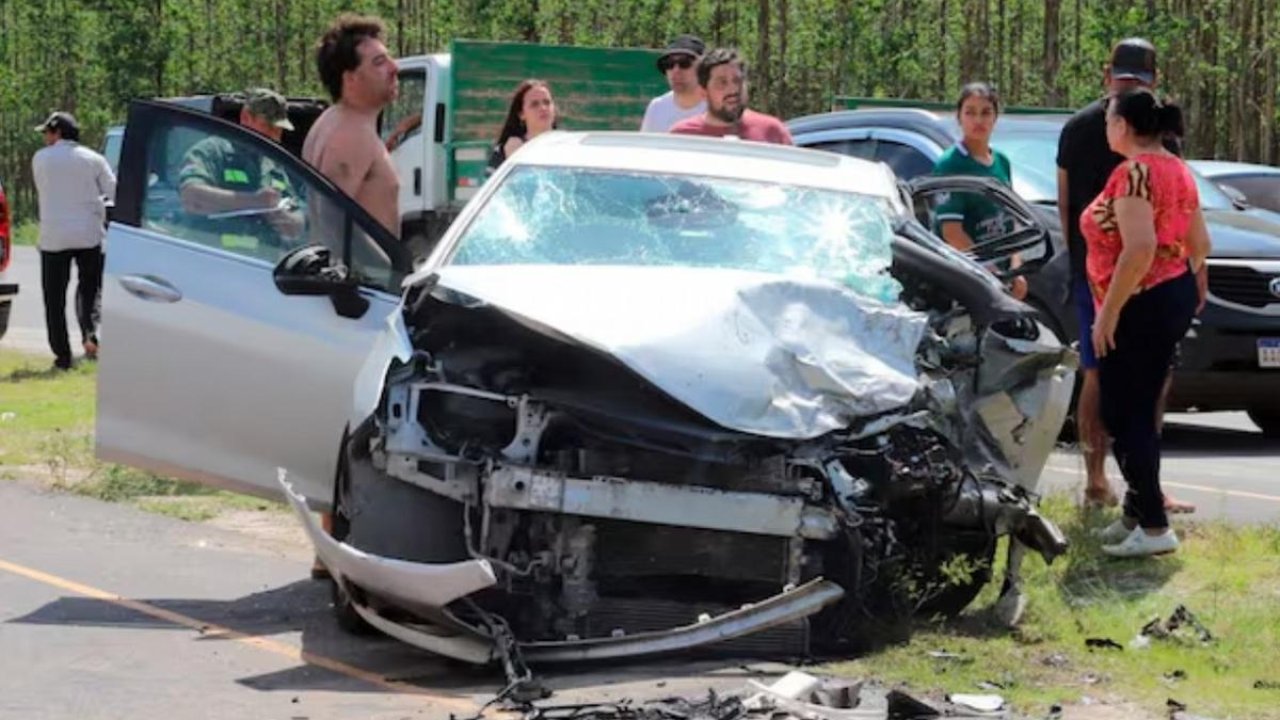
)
(72, 182)
(663, 112)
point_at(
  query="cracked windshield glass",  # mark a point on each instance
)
(571, 216)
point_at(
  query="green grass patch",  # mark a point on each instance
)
(46, 422)
(1228, 576)
(26, 233)
(46, 415)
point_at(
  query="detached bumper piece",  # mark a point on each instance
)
(432, 587)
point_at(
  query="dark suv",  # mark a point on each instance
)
(1231, 355)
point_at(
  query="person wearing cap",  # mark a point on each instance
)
(219, 176)
(722, 74)
(1085, 161)
(73, 185)
(686, 98)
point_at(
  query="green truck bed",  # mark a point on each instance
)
(595, 88)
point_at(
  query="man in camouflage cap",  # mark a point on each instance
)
(238, 192)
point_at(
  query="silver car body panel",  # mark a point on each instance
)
(762, 354)
(226, 340)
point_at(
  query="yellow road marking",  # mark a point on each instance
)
(1186, 486)
(272, 646)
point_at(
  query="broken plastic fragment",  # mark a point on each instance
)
(1102, 643)
(981, 703)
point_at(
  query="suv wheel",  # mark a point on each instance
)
(1268, 419)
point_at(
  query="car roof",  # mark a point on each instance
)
(703, 156)
(938, 124)
(1219, 168)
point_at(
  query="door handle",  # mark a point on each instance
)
(151, 288)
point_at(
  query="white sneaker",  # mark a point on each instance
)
(1113, 533)
(1139, 544)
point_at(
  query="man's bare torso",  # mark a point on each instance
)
(344, 146)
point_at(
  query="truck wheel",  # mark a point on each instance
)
(1268, 419)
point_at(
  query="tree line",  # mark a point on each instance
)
(1217, 57)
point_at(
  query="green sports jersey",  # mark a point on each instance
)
(982, 219)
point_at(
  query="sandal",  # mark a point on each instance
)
(1174, 506)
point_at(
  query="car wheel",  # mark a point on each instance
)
(5, 307)
(1268, 419)
(950, 596)
(343, 612)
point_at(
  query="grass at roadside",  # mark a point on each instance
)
(46, 429)
(27, 233)
(1229, 577)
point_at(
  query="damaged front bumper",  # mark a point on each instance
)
(430, 587)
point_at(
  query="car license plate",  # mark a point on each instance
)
(1269, 352)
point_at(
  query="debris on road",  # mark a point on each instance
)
(980, 703)
(795, 696)
(1179, 625)
(1102, 643)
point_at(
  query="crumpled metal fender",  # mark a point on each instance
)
(392, 344)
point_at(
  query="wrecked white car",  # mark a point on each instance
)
(649, 393)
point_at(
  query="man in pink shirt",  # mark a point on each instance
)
(723, 76)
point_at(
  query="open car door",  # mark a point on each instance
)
(234, 328)
(1013, 239)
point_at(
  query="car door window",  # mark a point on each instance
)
(403, 117)
(906, 161)
(862, 148)
(990, 218)
(1261, 190)
(226, 189)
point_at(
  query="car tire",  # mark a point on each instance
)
(344, 613)
(1267, 419)
(954, 597)
(5, 307)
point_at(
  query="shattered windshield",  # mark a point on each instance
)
(574, 216)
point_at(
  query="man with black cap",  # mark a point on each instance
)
(73, 184)
(219, 177)
(1085, 161)
(686, 98)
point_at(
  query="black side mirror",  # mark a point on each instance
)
(310, 271)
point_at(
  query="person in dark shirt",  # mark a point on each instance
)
(723, 75)
(1085, 161)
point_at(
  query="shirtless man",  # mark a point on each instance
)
(343, 144)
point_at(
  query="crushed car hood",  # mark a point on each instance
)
(752, 352)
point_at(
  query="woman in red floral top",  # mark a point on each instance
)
(1146, 237)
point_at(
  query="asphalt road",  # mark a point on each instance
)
(109, 612)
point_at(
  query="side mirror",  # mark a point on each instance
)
(309, 270)
(1238, 198)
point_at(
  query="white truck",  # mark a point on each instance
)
(451, 108)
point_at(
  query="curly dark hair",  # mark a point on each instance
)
(336, 51)
(715, 58)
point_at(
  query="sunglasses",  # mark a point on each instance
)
(683, 62)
